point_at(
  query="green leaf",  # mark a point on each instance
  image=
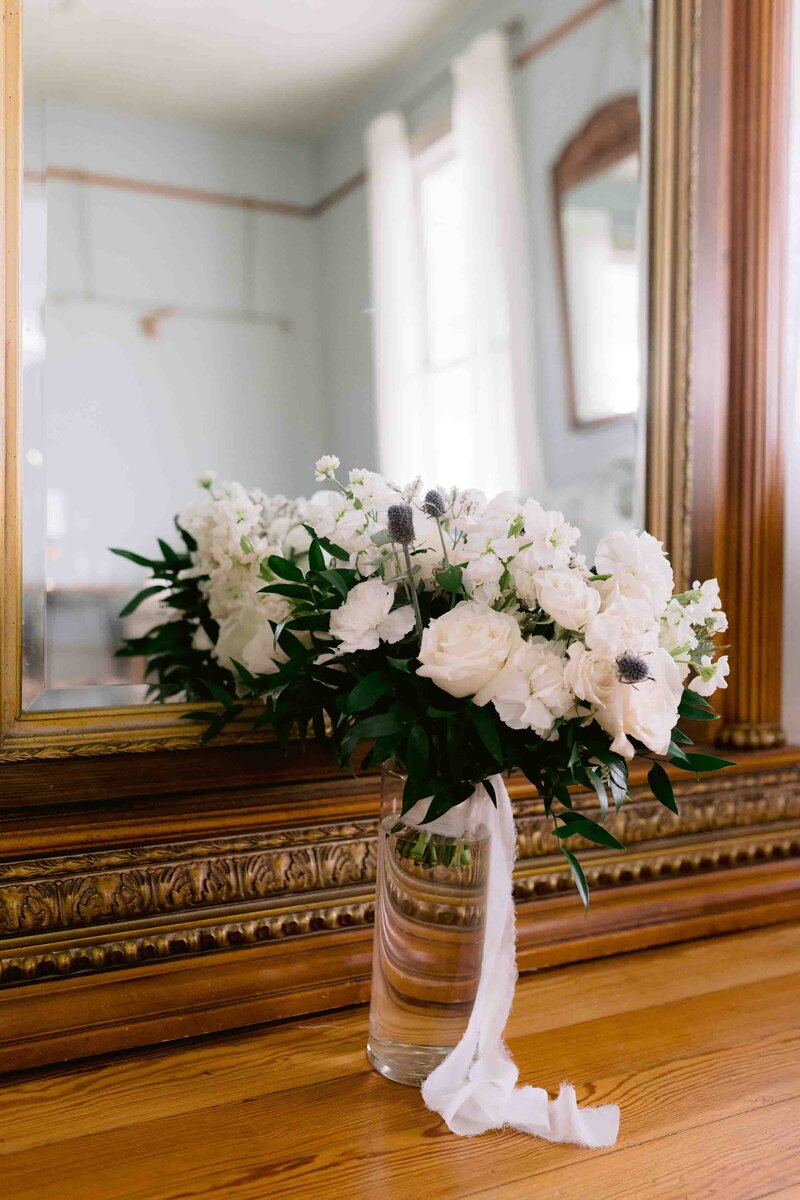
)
(677, 756)
(618, 779)
(417, 752)
(661, 787)
(292, 591)
(682, 738)
(451, 579)
(331, 547)
(246, 545)
(140, 597)
(578, 875)
(704, 762)
(284, 569)
(137, 558)
(486, 728)
(245, 675)
(399, 664)
(587, 828)
(316, 558)
(447, 798)
(169, 554)
(366, 692)
(381, 725)
(596, 780)
(218, 693)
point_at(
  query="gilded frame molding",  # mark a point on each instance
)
(27, 735)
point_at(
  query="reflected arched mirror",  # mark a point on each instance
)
(597, 191)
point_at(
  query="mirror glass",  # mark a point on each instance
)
(258, 232)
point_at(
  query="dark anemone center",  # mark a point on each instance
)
(632, 668)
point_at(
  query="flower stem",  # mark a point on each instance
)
(413, 591)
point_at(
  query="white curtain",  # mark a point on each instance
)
(397, 299)
(500, 320)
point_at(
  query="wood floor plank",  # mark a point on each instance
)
(734, 1159)
(38, 1108)
(353, 1122)
(698, 1044)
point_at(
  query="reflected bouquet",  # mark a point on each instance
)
(210, 604)
(465, 638)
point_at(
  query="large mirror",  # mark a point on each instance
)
(257, 232)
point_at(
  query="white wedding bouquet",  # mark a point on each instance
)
(211, 605)
(464, 637)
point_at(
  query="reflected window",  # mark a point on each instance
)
(598, 193)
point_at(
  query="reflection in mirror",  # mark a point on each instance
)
(259, 232)
(597, 195)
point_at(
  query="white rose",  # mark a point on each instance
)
(482, 578)
(463, 650)
(566, 597)
(712, 675)
(639, 570)
(530, 691)
(366, 618)
(591, 676)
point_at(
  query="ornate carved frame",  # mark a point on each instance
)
(167, 894)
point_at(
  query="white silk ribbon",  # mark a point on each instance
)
(474, 1089)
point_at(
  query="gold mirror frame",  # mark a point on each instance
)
(43, 735)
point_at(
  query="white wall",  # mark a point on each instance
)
(142, 416)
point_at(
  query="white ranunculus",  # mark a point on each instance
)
(566, 597)
(366, 618)
(639, 570)
(530, 691)
(712, 675)
(465, 648)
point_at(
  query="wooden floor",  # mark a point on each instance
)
(699, 1044)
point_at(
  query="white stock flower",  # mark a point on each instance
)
(676, 633)
(366, 618)
(551, 538)
(704, 606)
(530, 692)
(711, 675)
(646, 709)
(639, 570)
(326, 467)
(566, 597)
(465, 648)
(206, 480)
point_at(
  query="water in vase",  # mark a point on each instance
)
(429, 922)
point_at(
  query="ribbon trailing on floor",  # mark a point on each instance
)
(475, 1088)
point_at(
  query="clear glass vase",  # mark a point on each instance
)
(430, 905)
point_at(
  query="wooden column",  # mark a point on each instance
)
(750, 533)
